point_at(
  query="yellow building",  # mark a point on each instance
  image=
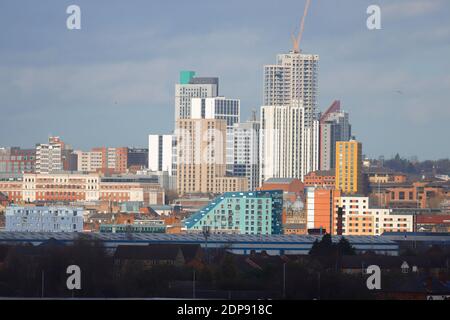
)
(349, 167)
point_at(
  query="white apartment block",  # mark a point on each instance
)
(161, 153)
(288, 148)
(48, 158)
(246, 152)
(360, 219)
(44, 219)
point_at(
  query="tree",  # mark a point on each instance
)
(323, 248)
(345, 248)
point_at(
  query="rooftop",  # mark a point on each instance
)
(6, 236)
(279, 180)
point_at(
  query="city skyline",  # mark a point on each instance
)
(131, 69)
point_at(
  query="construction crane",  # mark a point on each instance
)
(296, 40)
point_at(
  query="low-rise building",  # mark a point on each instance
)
(360, 219)
(44, 219)
(157, 226)
(68, 187)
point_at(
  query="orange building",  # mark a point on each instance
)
(320, 209)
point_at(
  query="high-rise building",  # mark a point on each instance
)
(55, 156)
(192, 87)
(334, 126)
(160, 153)
(201, 160)
(49, 156)
(246, 151)
(288, 149)
(349, 178)
(219, 108)
(293, 78)
(201, 154)
(289, 124)
(255, 212)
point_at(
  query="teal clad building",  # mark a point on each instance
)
(255, 212)
(186, 76)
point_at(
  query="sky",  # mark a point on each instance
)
(112, 82)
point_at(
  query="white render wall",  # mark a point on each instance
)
(163, 153)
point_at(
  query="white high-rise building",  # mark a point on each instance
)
(292, 78)
(289, 121)
(246, 152)
(160, 153)
(288, 148)
(49, 156)
(192, 87)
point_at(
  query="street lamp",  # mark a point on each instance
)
(206, 231)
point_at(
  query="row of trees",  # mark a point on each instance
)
(36, 272)
(424, 167)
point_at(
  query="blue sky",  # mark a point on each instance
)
(112, 82)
